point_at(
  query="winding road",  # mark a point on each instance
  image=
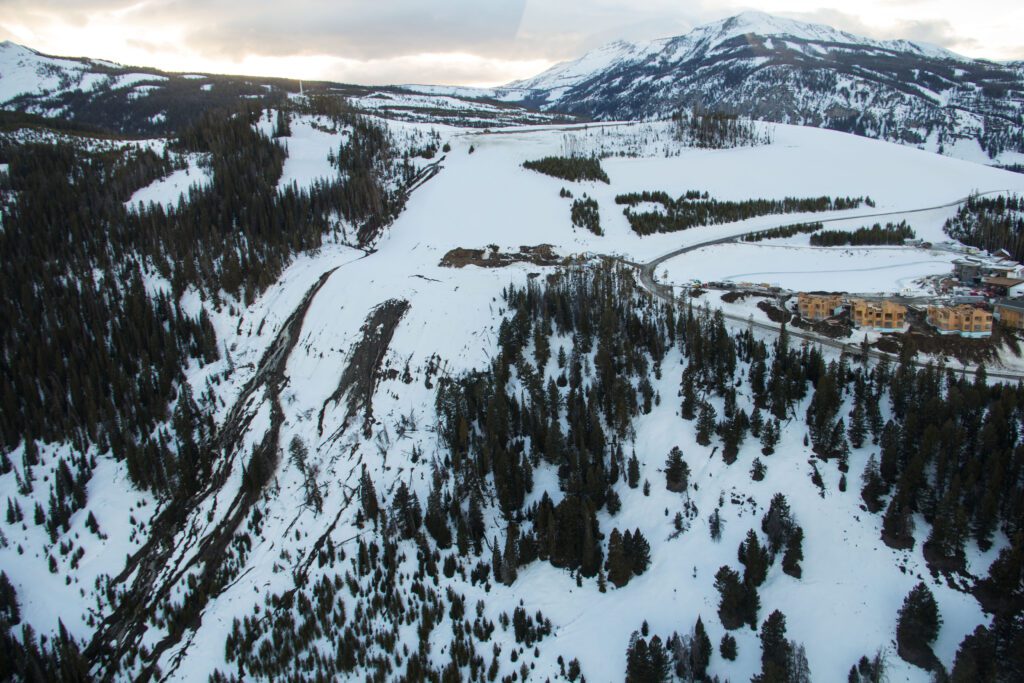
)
(666, 292)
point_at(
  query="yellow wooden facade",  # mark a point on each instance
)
(965, 320)
(881, 315)
(818, 306)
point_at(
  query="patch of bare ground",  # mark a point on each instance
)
(493, 257)
(359, 378)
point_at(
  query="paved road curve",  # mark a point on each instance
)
(666, 293)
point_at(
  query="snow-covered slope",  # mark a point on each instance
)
(783, 70)
(843, 607)
(146, 101)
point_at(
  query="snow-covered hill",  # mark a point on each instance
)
(778, 69)
(97, 94)
(297, 555)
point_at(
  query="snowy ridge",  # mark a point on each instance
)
(783, 70)
(707, 38)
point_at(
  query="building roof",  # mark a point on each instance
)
(1002, 281)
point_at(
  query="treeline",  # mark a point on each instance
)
(573, 168)
(990, 223)
(716, 130)
(94, 341)
(891, 234)
(658, 197)
(782, 231)
(695, 209)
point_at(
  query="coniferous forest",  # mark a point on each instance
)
(990, 223)
(695, 208)
(537, 456)
(89, 356)
(893, 234)
(945, 458)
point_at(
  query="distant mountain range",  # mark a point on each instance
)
(97, 96)
(777, 69)
(752, 64)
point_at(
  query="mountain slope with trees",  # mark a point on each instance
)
(776, 69)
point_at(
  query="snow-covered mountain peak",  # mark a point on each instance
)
(763, 24)
(708, 38)
(569, 73)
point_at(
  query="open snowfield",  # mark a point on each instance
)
(894, 270)
(844, 606)
(173, 188)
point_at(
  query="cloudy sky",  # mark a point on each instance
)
(468, 42)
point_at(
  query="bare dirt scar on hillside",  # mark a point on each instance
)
(359, 378)
(540, 255)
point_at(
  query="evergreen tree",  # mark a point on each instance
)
(794, 554)
(732, 610)
(778, 523)
(677, 472)
(868, 670)
(727, 647)
(775, 650)
(917, 626)
(618, 566)
(769, 437)
(688, 408)
(715, 525)
(436, 517)
(857, 430)
(368, 496)
(497, 563)
(633, 472)
(700, 650)
(873, 487)
(638, 550)
(757, 470)
(755, 560)
(898, 526)
(705, 423)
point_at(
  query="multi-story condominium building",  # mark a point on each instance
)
(965, 320)
(880, 315)
(818, 306)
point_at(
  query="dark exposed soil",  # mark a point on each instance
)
(160, 564)
(359, 378)
(492, 257)
(837, 327)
